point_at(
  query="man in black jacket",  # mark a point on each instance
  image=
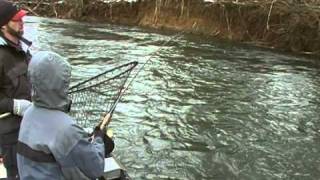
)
(15, 90)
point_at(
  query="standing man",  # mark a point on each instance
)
(14, 86)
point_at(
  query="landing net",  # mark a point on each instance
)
(98, 95)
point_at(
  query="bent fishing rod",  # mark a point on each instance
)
(107, 118)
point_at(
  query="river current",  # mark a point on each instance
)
(200, 108)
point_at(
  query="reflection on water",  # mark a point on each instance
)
(200, 109)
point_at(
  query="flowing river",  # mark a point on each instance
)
(201, 108)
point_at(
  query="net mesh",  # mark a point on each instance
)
(98, 95)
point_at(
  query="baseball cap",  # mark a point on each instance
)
(9, 11)
(19, 15)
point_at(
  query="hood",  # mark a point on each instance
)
(49, 75)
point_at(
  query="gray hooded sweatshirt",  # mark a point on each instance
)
(47, 128)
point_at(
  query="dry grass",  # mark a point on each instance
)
(292, 25)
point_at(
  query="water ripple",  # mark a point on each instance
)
(200, 109)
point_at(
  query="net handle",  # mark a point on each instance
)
(4, 115)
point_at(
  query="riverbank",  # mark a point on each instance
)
(288, 25)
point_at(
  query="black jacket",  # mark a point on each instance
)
(13, 83)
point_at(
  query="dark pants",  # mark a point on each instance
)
(9, 153)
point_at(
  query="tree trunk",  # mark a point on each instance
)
(77, 7)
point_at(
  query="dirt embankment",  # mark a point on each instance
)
(291, 25)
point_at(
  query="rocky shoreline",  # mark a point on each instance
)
(288, 25)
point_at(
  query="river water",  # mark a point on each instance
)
(200, 109)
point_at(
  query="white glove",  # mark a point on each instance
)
(20, 106)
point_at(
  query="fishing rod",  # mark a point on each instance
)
(107, 118)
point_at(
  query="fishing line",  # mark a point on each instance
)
(107, 119)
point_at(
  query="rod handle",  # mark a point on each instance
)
(105, 121)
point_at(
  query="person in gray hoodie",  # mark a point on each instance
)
(50, 144)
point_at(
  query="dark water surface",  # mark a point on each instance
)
(200, 109)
